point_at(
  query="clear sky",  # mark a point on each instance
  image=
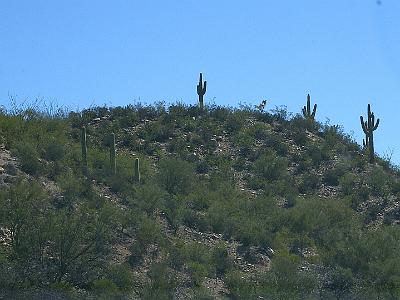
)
(345, 53)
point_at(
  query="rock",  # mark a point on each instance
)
(270, 252)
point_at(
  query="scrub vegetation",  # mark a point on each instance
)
(183, 202)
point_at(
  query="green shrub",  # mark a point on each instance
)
(347, 183)
(197, 273)
(299, 136)
(162, 284)
(309, 182)
(221, 260)
(155, 131)
(105, 288)
(178, 146)
(176, 176)
(244, 142)
(121, 276)
(270, 166)
(202, 167)
(29, 158)
(278, 144)
(239, 286)
(341, 281)
(303, 166)
(332, 176)
(72, 188)
(54, 151)
(118, 184)
(317, 154)
(333, 135)
(377, 181)
(235, 122)
(301, 123)
(259, 131)
(285, 280)
(149, 233)
(195, 220)
(148, 198)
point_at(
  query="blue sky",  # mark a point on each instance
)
(345, 53)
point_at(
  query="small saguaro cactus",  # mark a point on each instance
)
(307, 109)
(366, 142)
(113, 161)
(369, 127)
(201, 90)
(136, 175)
(84, 151)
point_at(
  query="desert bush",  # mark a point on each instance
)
(270, 166)
(105, 289)
(341, 281)
(54, 151)
(162, 284)
(347, 183)
(197, 273)
(285, 279)
(317, 154)
(235, 122)
(323, 220)
(303, 124)
(148, 233)
(179, 146)
(194, 220)
(29, 157)
(309, 183)
(239, 286)
(121, 276)
(148, 198)
(332, 176)
(276, 143)
(244, 142)
(280, 113)
(377, 181)
(72, 189)
(221, 260)
(176, 176)
(155, 131)
(299, 136)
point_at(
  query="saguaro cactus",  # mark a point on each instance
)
(201, 90)
(113, 161)
(136, 174)
(366, 142)
(84, 151)
(307, 109)
(369, 127)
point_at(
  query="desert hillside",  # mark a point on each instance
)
(183, 202)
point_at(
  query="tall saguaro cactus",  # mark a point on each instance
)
(137, 171)
(369, 127)
(201, 90)
(307, 109)
(84, 151)
(113, 161)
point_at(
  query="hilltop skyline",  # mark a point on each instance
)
(93, 53)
